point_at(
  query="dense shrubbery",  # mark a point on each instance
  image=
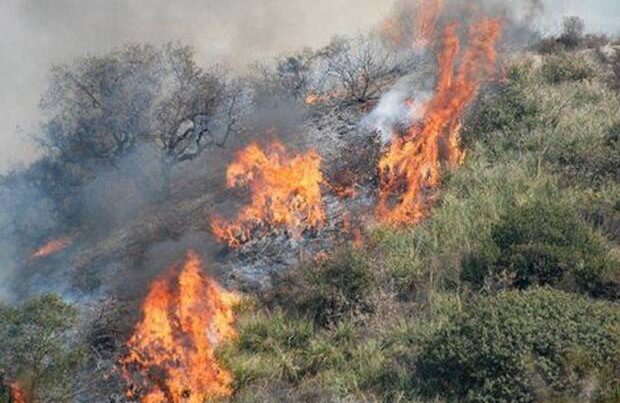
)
(525, 346)
(536, 203)
(561, 68)
(543, 242)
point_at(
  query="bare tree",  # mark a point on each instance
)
(363, 68)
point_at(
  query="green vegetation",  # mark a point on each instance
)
(38, 348)
(453, 308)
(524, 346)
(509, 291)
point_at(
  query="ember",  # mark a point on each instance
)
(18, 395)
(285, 192)
(171, 357)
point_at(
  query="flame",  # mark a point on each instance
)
(286, 192)
(172, 347)
(312, 98)
(17, 393)
(412, 164)
(315, 98)
(391, 29)
(426, 21)
(51, 247)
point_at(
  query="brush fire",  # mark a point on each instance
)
(172, 348)
(285, 193)
(273, 193)
(411, 166)
(171, 352)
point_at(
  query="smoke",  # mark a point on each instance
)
(404, 102)
(38, 33)
(397, 108)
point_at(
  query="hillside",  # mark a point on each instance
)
(369, 221)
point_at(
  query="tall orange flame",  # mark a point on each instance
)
(171, 352)
(51, 247)
(285, 192)
(412, 164)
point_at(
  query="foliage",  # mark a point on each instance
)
(566, 67)
(523, 346)
(38, 347)
(329, 289)
(543, 242)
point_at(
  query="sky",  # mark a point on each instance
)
(35, 34)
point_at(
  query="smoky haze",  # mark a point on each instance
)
(34, 34)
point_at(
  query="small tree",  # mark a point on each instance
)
(101, 107)
(363, 67)
(573, 29)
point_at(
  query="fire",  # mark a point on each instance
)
(426, 21)
(285, 192)
(413, 162)
(312, 98)
(52, 247)
(391, 29)
(18, 395)
(172, 347)
(315, 98)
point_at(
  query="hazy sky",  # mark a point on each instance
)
(37, 33)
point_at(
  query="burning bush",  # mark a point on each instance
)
(171, 352)
(285, 192)
(413, 162)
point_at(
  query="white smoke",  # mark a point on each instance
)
(397, 108)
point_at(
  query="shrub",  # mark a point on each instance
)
(523, 346)
(37, 349)
(505, 109)
(563, 68)
(594, 159)
(573, 29)
(328, 290)
(542, 242)
(615, 78)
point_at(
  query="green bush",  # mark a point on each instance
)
(542, 242)
(501, 110)
(37, 348)
(566, 67)
(524, 346)
(328, 290)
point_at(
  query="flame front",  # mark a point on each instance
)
(411, 166)
(171, 352)
(285, 192)
(51, 247)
